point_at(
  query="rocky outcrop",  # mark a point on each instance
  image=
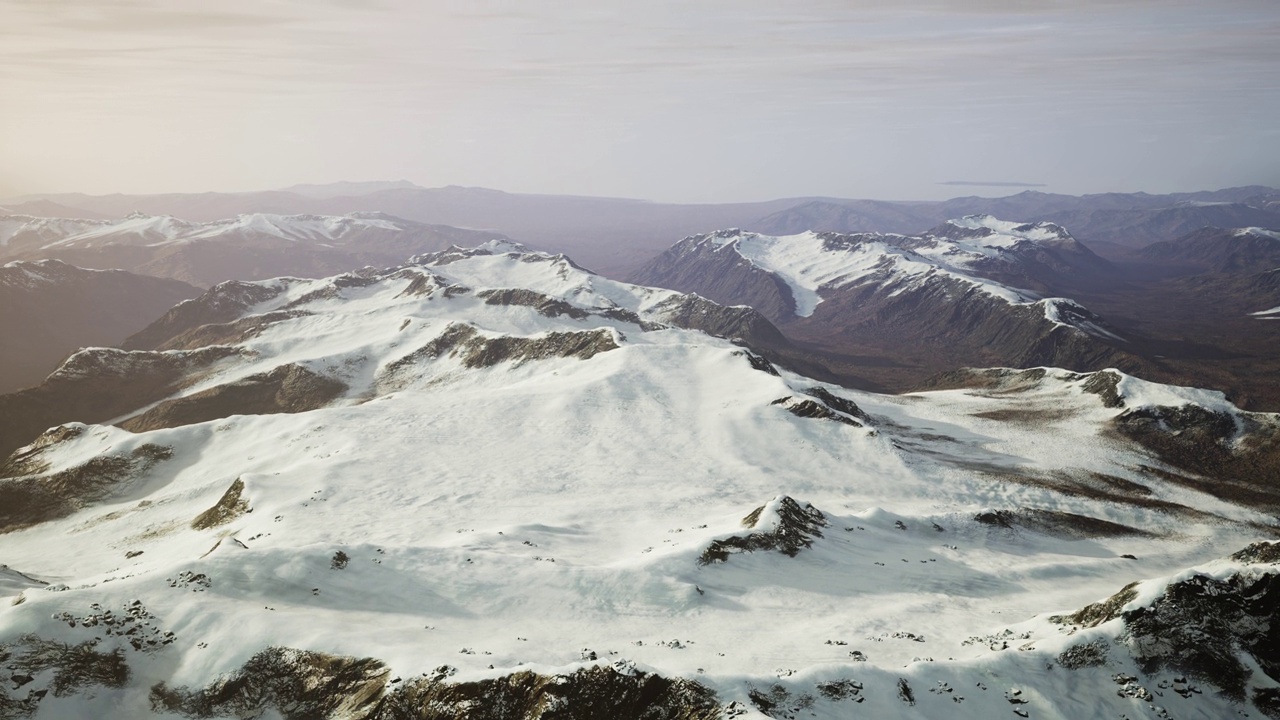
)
(230, 506)
(310, 685)
(692, 312)
(28, 498)
(286, 389)
(1202, 626)
(783, 525)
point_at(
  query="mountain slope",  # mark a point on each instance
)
(1215, 250)
(50, 309)
(910, 296)
(246, 247)
(488, 483)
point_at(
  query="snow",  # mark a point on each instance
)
(1265, 314)
(527, 511)
(807, 265)
(1260, 232)
(142, 229)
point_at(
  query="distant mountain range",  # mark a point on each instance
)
(245, 247)
(616, 236)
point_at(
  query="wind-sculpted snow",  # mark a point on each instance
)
(373, 497)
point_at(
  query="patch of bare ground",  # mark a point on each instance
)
(1205, 444)
(1057, 523)
(285, 389)
(230, 506)
(306, 685)
(28, 500)
(1089, 486)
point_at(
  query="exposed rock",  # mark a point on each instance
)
(813, 409)
(835, 402)
(1238, 455)
(229, 507)
(480, 352)
(1091, 654)
(32, 499)
(1198, 627)
(1101, 612)
(778, 702)
(72, 668)
(733, 322)
(1056, 523)
(1259, 553)
(1104, 384)
(784, 524)
(546, 306)
(758, 362)
(299, 684)
(286, 389)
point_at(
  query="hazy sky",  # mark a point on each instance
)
(685, 101)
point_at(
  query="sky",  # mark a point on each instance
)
(688, 101)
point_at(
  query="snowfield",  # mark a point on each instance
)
(546, 509)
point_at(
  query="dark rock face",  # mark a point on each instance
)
(1202, 625)
(1198, 626)
(308, 685)
(813, 409)
(898, 322)
(286, 389)
(848, 407)
(1238, 457)
(546, 306)
(795, 530)
(30, 499)
(960, 321)
(735, 323)
(699, 264)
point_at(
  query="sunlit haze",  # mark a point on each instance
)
(673, 101)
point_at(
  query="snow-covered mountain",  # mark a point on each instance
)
(49, 309)
(953, 287)
(1217, 250)
(246, 247)
(490, 484)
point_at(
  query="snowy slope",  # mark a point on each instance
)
(524, 472)
(963, 255)
(251, 246)
(142, 229)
